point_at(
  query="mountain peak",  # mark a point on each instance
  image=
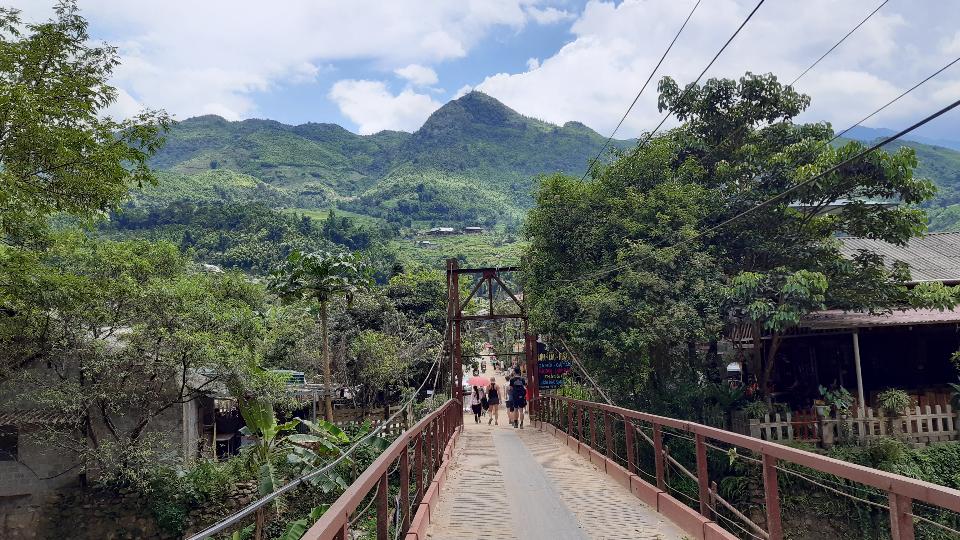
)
(473, 110)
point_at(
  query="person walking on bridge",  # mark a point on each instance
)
(476, 403)
(493, 402)
(518, 397)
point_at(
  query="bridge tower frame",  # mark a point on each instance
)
(455, 306)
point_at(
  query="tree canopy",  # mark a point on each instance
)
(618, 262)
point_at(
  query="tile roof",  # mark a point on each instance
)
(933, 257)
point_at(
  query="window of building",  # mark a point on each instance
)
(8, 443)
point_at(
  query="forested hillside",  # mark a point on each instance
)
(227, 189)
(473, 161)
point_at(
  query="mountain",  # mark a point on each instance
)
(473, 161)
(868, 134)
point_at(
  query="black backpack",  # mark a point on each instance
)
(518, 389)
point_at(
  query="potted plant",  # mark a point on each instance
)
(823, 410)
(893, 402)
(840, 400)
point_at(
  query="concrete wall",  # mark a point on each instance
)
(25, 486)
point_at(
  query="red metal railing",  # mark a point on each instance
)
(568, 416)
(417, 457)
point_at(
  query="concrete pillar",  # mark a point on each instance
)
(856, 363)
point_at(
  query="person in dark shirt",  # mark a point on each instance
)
(517, 390)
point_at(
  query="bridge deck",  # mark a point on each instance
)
(511, 483)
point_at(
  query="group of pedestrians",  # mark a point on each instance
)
(487, 399)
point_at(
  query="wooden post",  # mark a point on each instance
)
(703, 476)
(856, 364)
(631, 458)
(658, 456)
(771, 495)
(405, 486)
(383, 524)
(901, 522)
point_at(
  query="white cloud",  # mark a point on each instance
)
(418, 75)
(595, 76)
(549, 15)
(193, 57)
(533, 63)
(951, 45)
(372, 106)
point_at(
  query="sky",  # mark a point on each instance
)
(371, 65)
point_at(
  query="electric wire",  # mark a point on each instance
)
(837, 44)
(259, 503)
(663, 57)
(780, 195)
(690, 86)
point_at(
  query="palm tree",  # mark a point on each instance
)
(321, 276)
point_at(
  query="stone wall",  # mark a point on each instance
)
(95, 514)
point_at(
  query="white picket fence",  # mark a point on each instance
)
(921, 425)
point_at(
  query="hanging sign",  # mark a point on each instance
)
(550, 373)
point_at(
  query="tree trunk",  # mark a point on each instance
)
(327, 377)
(767, 372)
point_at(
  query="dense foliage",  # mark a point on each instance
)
(616, 263)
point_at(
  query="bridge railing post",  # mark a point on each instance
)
(405, 487)
(901, 520)
(771, 496)
(703, 475)
(593, 428)
(658, 456)
(569, 426)
(608, 434)
(628, 435)
(383, 523)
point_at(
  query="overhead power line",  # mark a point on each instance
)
(782, 194)
(837, 44)
(690, 86)
(642, 88)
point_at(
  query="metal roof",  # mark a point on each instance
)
(933, 257)
(837, 319)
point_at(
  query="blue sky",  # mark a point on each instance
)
(506, 49)
(373, 64)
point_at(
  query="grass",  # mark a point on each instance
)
(320, 214)
(491, 249)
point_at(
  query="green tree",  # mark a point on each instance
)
(603, 269)
(58, 153)
(321, 277)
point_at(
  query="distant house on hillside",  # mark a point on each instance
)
(442, 231)
(425, 244)
(473, 230)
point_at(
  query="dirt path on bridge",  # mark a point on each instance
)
(512, 483)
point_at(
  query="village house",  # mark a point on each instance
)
(473, 230)
(442, 231)
(865, 353)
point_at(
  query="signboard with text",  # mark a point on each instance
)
(551, 372)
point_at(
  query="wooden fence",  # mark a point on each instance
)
(921, 425)
(354, 417)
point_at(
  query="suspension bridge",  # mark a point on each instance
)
(585, 469)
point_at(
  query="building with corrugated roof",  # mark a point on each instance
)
(932, 257)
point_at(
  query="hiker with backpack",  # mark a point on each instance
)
(518, 398)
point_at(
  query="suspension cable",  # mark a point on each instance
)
(233, 519)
